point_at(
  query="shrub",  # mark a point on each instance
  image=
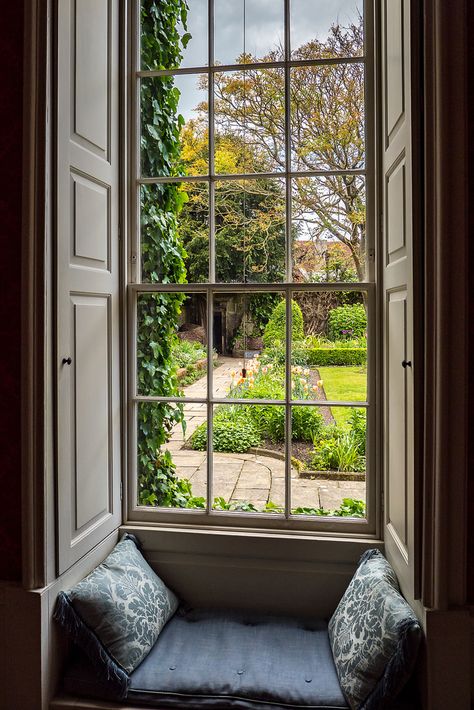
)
(186, 352)
(312, 357)
(275, 328)
(233, 431)
(358, 425)
(339, 454)
(336, 356)
(347, 322)
(341, 448)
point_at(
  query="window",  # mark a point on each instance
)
(252, 277)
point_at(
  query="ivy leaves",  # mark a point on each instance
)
(162, 254)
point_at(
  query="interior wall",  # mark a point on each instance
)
(11, 130)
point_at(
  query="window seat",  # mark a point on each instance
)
(216, 658)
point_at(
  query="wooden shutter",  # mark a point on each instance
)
(88, 389)
(400, 366)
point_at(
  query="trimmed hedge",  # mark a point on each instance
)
(337, 356)
(308, 357)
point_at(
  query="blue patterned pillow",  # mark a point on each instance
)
(374, 636)
(117, 612)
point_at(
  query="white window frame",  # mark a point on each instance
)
(371, 526)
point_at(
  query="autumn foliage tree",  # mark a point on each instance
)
(327, 134)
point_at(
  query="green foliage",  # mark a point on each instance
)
(336, 356)
(306, 356)
(233, 431)
(347, 322)
(350, 508)
(275, 329)
(338, 454)
(268, 382)
(187, 352)
(261, 306)
(162, 257)
(358, 425)
(341, 448)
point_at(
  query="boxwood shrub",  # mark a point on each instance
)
(311, 357)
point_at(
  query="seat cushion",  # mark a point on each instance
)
(230, 659)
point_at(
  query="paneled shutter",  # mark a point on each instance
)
(400, 367)
(87, 260)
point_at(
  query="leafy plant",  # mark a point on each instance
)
(162, 256)
(347, 322)
(186, 352)
(350, 508)
(261, 307)
(339, 454)
(358, 425)
(233, 431)
(275, 329)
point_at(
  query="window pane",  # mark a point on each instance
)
(171, 345)
(175, 105)
(167, 240)
(250, 231)
(185, 46)
(248, 30)
(329, 228)
(246, 328)
(326, 28)
(169, 474)
(329, 346)
(249, 121)
(327, 117)
(329, 453)
(249, 467)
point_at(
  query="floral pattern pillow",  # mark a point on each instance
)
(117, 612)
(374, 636)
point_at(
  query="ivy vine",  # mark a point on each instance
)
(162, 254)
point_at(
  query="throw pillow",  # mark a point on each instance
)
(374, 636)
(117, 612)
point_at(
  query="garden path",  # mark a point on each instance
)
(247, 477)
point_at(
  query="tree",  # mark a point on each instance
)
(327, 133)
(249, 214)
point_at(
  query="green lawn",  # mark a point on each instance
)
(344, 383)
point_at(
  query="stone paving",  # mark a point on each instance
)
(247, 477)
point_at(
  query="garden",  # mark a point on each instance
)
(333, 367)
(247, 220)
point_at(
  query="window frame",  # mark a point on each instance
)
(369, 527)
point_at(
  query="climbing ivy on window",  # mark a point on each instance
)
(162, 254)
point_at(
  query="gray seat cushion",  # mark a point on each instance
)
(229, 659)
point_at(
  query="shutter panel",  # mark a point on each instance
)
(88, 388)
(398, 290)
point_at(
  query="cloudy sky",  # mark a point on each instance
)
(262, 31)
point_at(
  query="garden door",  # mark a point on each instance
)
(87, 259)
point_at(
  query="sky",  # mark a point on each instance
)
(264, 31)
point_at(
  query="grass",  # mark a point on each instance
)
(344, 383)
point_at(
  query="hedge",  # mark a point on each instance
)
(317, 356)
(337, 356)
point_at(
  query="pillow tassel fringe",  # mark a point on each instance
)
(80, 634)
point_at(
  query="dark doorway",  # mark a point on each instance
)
(217, 332)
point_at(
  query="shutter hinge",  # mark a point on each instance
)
(371, 255)
(133, 258)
